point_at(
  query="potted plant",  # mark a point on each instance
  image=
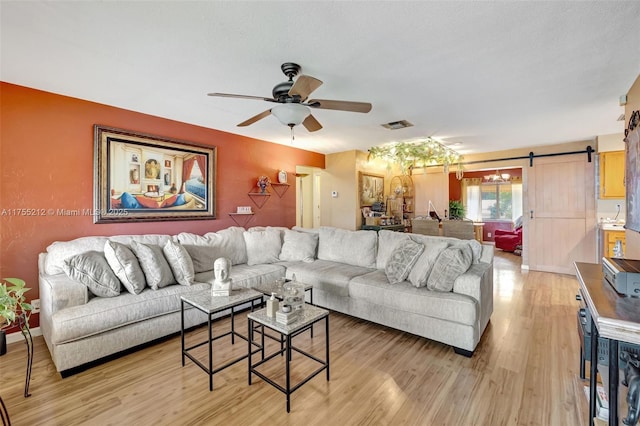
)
(13, 307)
(456, 209)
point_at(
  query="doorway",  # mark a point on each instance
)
(308, 182)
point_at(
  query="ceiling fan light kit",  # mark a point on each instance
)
(291, 114)
(294, 109)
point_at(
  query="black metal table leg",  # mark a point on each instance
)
(288, 373)
(593, 374)
(614, 378)
(326, 320)
(582, 364)
(182, 328)
(233, 327)
(210, 354)
(250, 340)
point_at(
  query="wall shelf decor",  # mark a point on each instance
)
(259, 198)
(241, 219)
(280, 188)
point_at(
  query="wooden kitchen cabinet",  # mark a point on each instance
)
(610, 238)
(612, 174)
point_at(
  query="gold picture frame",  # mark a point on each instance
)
(143, 177)
(370, 188)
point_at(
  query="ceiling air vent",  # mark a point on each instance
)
(621, 118)
(395, 125)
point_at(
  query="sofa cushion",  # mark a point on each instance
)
(179, 262)
(422, 268)
(328, 276)
(299, 246)
(357, 248)
(387, 242)
(402, 259)
(157, 271)
(205, 249)
(245, 276)
(101, 315)
(375, 289)
(452, 262)
(263, 246)
(58, 251)
(93, 270)
(125, 265)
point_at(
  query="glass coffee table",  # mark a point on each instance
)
(204, 302)
(309, 315)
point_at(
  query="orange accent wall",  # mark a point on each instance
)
(46, 162)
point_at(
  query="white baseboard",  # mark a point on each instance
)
(17, 336)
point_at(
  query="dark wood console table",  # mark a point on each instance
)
(615, 318)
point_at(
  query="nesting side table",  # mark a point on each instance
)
(310, 315)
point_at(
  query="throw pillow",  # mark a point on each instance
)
(125, 265)
(263, 246)
(179, 262)
(422, 268)
(401, 261)
(205, 249)
(154, 265)
(475, 246)
(92, 270)
(357, 248)
(452, 262)
(299, 246)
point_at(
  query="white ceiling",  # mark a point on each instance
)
(485, 75)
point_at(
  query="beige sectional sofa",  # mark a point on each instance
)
(441, 289)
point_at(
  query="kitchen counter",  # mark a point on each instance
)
(612, 226)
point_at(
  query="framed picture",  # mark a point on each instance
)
(370, 188)
(133, 181)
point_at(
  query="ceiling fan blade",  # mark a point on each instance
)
(255, 118)
(311, 124)
(304, 85)
(340, 105)
(231, 95)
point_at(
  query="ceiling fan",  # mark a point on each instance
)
(292, 97)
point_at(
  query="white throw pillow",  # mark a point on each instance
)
(387, 242)
(299, 246)
(227, 243)
(180, 262)
(475, 246)
(92, 270)
(125, 265)
(154, 265)
(263, 246)
(357, 248)
(422, 268)
(452, 262)
(402, 259)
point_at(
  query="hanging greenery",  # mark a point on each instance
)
(417, 154)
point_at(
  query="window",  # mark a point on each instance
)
(492, 201)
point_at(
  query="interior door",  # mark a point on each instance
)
(561, 217)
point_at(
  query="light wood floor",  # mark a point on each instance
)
(524, 372)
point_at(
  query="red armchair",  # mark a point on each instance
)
(508, 240)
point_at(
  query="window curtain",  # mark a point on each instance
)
(472, 198)
(187, 166)
(202, 164)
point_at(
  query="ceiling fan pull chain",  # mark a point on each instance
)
(292, 136)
